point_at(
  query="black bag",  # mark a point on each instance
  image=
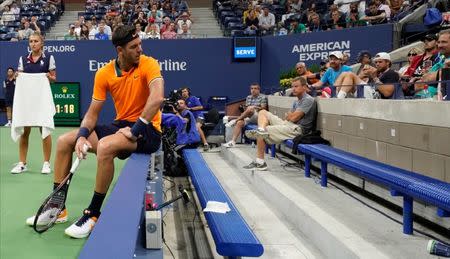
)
(173, 161)
(311, 138)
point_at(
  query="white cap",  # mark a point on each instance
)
(382, 55)
(337, 54)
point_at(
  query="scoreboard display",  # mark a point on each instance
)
(66, 97)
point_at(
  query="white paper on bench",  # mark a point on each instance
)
(216, 206)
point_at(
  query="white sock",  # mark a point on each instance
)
(260, 161)
(341, 95)
(261, 129)
(232, 142)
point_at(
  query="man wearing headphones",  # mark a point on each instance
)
(195, 106)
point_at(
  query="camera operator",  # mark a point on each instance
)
(195, 106)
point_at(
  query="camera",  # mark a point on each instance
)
(171, 102)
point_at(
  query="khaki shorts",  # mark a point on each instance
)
(280, 130)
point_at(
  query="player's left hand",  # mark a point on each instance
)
(127, 133)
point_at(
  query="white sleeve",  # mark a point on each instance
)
(4, 84)
(20, 66)
(52, 64)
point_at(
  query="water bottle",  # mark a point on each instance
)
(436, 248)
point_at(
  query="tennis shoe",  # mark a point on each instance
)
(229, 144)
(45, 217)
(255, 166)
(46, 168)
(19, 168)
(253, 134)
(83, 226)
(8, 124)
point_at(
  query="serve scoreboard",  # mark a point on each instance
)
(66, 97)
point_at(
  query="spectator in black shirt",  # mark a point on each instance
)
(374, 16)
(252, 22)
(384, 77)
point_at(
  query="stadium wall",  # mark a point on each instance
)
(205, 65)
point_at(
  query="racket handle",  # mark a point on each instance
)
(77, 161)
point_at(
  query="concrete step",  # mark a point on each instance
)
(279, 241)
(341, 227)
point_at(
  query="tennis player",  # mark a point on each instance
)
(135, 83)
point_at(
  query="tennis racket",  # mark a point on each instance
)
(54, 203)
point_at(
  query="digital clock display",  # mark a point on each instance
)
(66, 97)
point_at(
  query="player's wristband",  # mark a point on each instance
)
(83, 132)
(139, 127)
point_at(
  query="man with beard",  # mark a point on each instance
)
(136, 86)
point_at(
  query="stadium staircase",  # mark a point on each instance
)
(61, 27)
(205, 24)
(294, 217)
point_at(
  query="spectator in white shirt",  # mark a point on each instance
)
(139, 31)
(384, 7)
(7, 16)
(77, 28)
(15, 10)
(184, 20)
(266, 21)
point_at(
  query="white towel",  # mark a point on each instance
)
(33, 104)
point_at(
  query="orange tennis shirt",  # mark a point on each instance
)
(129, 89)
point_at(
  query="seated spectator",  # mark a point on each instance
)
(26, 32)
(84, 34)
(345, 7)
(382, 6)
(302, 71)
(328, 18)
(422, 63)
(106, 27)
(77, 29)
(354, 16)
(185, 33)
(374, 15)
(173, 14)
(101, 34)
(295, 6)
(254, 103)
(412, 54)
(337, 21)
(315, 23)
(246, 13)
(71, 35)
(15, 10)
(252, 23)
(444, 62)
(364, 58)
(183, 19)
(139, 31)
(165, 25)
(274, 130)
(296, 27)
(152, 32)
(8, 16)
(92, 30)
(35, 25)
(266, 21)
(395, 6)
(334, 71)
(169, 33)
(141, 19)
(384, 78)
(156, 14)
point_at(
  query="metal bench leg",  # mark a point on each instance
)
(407, 215)
(307, 165)
(272, 150)
(323, 174)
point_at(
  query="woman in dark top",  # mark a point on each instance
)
(9, 85)
(252, 22)
(35, 62)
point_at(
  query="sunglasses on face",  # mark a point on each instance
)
(412, 54)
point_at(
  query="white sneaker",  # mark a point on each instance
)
(229, 144)
(83, 226)
(45, 217)
(8, 124)
(231, 123)
(19, 168)
(46, 168)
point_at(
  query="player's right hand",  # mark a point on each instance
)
(80, 147)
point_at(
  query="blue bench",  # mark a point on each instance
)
(232, 236)
(401, 182)
(116, 232)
